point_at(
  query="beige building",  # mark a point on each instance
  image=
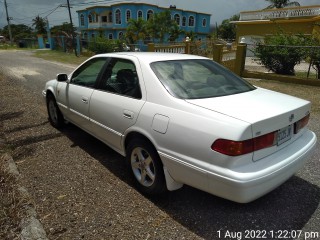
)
(255, 25)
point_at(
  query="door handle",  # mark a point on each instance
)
(128, 114)
(85, 100)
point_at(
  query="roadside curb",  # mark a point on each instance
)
(31, 228)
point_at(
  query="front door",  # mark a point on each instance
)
(116, 104)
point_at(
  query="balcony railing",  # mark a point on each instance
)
(297, 12)
(100, 24)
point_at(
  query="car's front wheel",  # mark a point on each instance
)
(55, 116)
(145, 166)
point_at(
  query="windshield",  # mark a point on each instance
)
(198, 78)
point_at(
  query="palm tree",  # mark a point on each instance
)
(281, 3)
(136, 30)
(40, 25)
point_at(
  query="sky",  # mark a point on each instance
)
(23, 11)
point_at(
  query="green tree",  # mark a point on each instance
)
(227, 30)
(40, 25)
(65, 29)
(175, 32)
(281, 3)
(18, 31)
(313, 52)
(159, 25)
(136, 30)
(281, 53)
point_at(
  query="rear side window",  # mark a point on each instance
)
(120, 77)
(198, 78)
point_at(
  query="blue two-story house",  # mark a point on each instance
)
(112, 20)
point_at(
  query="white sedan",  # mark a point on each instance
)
(182, 119)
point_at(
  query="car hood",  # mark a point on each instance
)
(266, 110)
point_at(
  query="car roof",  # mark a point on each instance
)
(149, 57)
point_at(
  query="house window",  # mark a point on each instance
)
(177, 19)
(104, 19)
(204, 22)
(191, 21)
(90, 18)
(184, 21)
(128, 15)
(120, 35)
(149, 14)
(140, 15)
(110, 17)
(81, 20)
(96, 18)
(118, 16)
(110, 36)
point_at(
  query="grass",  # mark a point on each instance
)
(304, 75)
(12, 203)
(61, 57)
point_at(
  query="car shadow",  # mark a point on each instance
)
(289, 207)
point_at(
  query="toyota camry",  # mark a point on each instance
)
(183, 119)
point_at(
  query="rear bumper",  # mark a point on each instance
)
(249, 182)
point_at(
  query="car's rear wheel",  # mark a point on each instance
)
(145, 166)
(55, 116)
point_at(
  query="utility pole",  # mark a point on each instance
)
(8, 20)
(73, 41)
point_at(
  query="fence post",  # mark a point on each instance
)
(151, 47)
(217, 52)
(78, 45)
(187, 50)
(240, 59)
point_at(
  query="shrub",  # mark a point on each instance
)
(103, 45)
(281, 52)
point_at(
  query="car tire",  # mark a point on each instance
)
(145, 167)
(55, 116)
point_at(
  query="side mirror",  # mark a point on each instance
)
(62, 77)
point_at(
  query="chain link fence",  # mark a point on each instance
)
(308, 67)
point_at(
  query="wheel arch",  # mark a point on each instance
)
(50, 92)
(171, 184)
(135, 134)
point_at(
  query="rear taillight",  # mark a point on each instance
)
(301, 124)
(237, 148)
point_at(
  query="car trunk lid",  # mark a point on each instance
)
(265, 110)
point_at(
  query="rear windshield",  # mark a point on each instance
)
(198, 78)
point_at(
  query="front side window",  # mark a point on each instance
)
(120, 77)
(87, 74)
(198, 78)
(140, 15)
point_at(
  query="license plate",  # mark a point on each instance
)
(284, 135)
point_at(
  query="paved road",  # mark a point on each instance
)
(81, 189)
